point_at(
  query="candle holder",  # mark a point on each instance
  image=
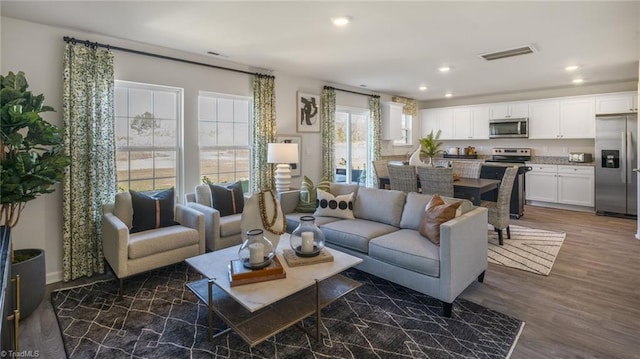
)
(307, 240)
(256, 251)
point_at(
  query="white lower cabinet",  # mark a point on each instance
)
(573, 185)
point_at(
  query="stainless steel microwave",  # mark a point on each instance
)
(509, 128)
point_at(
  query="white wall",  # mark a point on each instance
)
(38, 51)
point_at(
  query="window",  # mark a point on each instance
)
(406, 132)
(224, 123)
(351, 145)
(148, 121)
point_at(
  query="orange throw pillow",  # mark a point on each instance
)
(435, 213)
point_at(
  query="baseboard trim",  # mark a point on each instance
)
(569, 207)
(54, 277)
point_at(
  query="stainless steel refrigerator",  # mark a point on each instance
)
(616, 148)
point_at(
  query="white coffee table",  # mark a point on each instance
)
(258, 311)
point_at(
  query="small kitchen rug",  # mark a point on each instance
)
(529, 249)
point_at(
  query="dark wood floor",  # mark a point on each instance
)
(588, 307)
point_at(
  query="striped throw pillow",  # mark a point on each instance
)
(308, 194)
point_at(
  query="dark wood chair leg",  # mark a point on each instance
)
(500, 236)
(446, 309)
(481, 277)
(508, 232)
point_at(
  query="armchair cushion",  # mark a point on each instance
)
(160, 240)
(151, 212)
(227, 199)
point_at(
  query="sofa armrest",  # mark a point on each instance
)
(289, 200)
(191, 218)
(463, 252)
(211, 224)
(115, 242)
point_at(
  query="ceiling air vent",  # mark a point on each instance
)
(516, 51)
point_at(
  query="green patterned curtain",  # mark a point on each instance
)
(89, 140)
(374, 150)
(328, 119)
(264, 132)
(410, 105)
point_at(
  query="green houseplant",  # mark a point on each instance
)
(32, 160)
(431, 145)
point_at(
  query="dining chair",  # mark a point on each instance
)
(499, 215)
(380, 168)
(403, 178)
(467, 169)
(436, 180)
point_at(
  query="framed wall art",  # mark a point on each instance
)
(295, 167)
(308, 107)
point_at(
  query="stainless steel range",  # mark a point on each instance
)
(495, 167)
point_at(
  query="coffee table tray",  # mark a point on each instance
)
(255, 327)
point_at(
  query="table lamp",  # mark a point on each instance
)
(282, 154)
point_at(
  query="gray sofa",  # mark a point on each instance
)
(385, 235)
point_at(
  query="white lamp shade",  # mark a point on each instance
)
(282, 153)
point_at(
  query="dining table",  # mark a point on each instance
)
(463, 187)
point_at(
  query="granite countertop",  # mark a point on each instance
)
(555, 160)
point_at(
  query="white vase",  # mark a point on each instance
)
(414, 160)
(251, 218)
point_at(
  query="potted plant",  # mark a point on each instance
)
(32, 160)
(431, 146)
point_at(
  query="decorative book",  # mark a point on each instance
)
(239, 274)
(293, 260)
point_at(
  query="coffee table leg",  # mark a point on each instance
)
(210, 305)
(318, 319)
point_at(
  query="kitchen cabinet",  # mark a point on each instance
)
(438, 119)
(471, 123)
(509, 110)
(563, 118)
(391, 120)
(623, 102)
(573, 185)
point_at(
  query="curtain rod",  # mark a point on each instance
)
(110, 47)
(349, 91)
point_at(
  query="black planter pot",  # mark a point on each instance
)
(32, 280)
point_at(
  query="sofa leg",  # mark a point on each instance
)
(508, 232)
(500, 236)
(446, 309)
(481, 277)
(121, 289)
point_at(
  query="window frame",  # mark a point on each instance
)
(361, 112)
(407, 127)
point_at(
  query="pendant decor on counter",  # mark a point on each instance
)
(307, 240)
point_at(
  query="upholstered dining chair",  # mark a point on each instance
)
(436, 180)
(499, 215)
(403, 178)
(380, 168)
(467, 169)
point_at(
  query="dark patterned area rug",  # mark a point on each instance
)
(158, 317)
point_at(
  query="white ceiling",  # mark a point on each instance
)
(390, 47)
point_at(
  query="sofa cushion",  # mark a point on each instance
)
(338, 189)
(334, 206)
(436, 213)
(308, 194)
(379, 205)
(152, 211)
(123, 209)
(203, 195)
(355, 233)
(407, 249)
(230, 225)
(227, 199)
(160, 240)
(415, 205)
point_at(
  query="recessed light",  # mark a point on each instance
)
(571, 68)
(422, 88)
(448, 94)
(444, 69)
(578, 81)
(341, 20)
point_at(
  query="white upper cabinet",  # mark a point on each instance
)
(437, 119)
(471, 123)
(623, 102)
(480, 122)
(462, 128)
(391, 120)
(562, 118)
(509, 110)
(428, 122)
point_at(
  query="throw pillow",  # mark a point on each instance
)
(152, 211)
(227, 199)
(308, 194)
(334, 206)
(435, 213)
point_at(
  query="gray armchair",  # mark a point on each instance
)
(131, 253)
(220, 231)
